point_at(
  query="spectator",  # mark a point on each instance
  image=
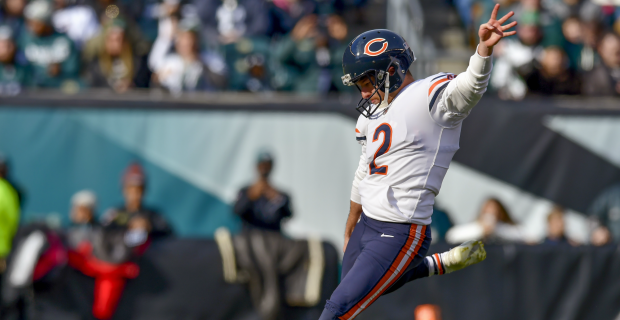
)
(592, 32)
(13, 74)
(261, 205)
(12, 15)
(604, 79)
(110, 60)
(553, 76)
(493, 225)
(549, 24)
(231, 21)
(563, 9)
(515, 58)
(241, 19)
(250, 70)
(573, 33)
(130, 12)
(9, 214)
(5, 174)
(82, 217)
(52, 55)
(556, 228)
(78, 21)
(605, 216)
(258, 75)
(83, 205)
(311, 54)
(133, 215)
(285, 14)
(168, 15)
(337, 31)
(184, 70)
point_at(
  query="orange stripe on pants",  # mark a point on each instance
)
(388, 278)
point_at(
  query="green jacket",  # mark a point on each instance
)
(9, 216)
(41, 52)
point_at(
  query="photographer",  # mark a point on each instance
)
(133, 215)
(261, 205)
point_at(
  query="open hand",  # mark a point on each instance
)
(491, 32)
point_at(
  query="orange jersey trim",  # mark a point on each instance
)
(435, 84)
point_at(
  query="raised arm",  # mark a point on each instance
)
(460, 95)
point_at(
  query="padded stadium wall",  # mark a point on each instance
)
(529, 154)
(196, 161)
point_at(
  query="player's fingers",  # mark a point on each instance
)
(494, 13)
(508, 26)
(508, 34)
(488, 26)
(506, 17)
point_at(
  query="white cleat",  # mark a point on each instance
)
(465, 255)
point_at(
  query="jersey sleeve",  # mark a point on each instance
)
(360, 174)
(451, 98)
(362, 168)
(360, 130)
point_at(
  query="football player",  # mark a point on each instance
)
(409, 131)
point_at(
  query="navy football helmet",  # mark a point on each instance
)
(371, 54)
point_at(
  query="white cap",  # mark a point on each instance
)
(40, 10)
(6, 33)
(84, 198)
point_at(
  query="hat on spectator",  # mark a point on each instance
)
(40, 10)
(6, 33)
(189, 25)
(264, 156)
(84, 198)
(530, 18)
(134, 175)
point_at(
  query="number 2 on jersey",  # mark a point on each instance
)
(385, 146)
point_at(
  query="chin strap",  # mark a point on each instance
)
(384, 104)
(387, 89)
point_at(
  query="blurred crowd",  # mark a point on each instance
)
(134, 222)
(137, 222)
(495, 224)
(179, 45)
(563, 47)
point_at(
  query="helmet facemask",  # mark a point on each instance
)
(381, 82)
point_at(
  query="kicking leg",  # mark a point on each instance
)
(465, 255)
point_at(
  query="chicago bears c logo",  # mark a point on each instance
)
(367, 50)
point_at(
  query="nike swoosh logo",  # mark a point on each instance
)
(383, 235)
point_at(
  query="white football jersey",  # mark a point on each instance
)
(407, 147)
